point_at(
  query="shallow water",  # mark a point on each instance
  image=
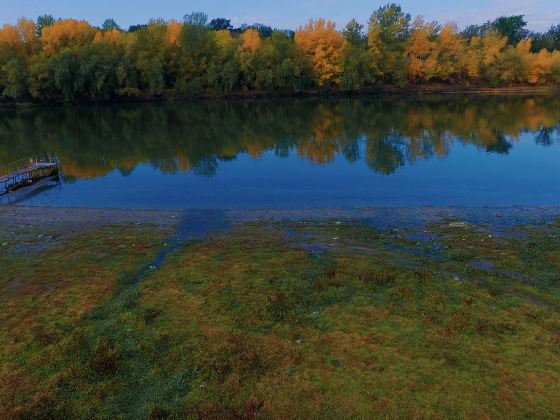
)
(294, 153)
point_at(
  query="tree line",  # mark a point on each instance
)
(65, 59)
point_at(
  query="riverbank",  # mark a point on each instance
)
(69, 221)
(407, 90)
(408, 312)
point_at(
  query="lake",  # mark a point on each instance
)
(296, 153)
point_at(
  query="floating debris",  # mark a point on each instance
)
(458, 225)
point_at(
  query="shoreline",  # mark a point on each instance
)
(78, 219)
(386, 90)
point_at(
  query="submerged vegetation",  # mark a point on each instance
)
(67, 59)
(386, 132)
(278, 320)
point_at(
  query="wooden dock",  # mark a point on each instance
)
(26, 172)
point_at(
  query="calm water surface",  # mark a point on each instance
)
(369, 151)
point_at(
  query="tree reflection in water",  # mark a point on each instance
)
(388, 132)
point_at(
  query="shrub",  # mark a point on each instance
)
(105, 359)
(378, 277)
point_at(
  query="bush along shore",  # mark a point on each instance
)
(65, 60)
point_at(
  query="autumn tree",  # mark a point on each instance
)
(420, 50)
(250, 40)
(449, 49)
(65, 34)
(20, 39)
(324, 45)
(223, 39)
(491, 51)
(70, 59)
(516, 63)
(541, 67)
(482, 58)
(173, 33)
(112, 37)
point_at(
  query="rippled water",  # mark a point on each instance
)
(292, 153)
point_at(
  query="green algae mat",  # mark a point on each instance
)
(328, 319)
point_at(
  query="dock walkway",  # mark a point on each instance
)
(25, 172)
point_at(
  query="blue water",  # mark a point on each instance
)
(468, 174)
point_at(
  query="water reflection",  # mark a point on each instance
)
(387, 132)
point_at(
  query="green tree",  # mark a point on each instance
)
(357, 68)
(197, 46)
(472, 31)
(221, 24)
(109, 25)
(136, 28)
(41, 86)
(14, 75)
(549, 40)
(65, 73)
(44, 21)
(152, 59)
(511, 27)
(354, 33)
(264, 31)
(388, 32)
(98, 70)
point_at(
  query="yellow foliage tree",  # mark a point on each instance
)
(470, 62)
(21, 38)
(516, 63)
(251, 40)
(173, 33)
(541, 67)
(492, 48)
(113, 37)
(9, 35)
(419, 50)
(481, 57)
(320, 40)
(223, 39)
(449, 50)
(66, 34)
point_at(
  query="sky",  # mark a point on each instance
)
(289, 14)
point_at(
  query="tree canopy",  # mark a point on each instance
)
(68, 59)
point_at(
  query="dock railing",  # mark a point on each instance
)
(22, 164)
